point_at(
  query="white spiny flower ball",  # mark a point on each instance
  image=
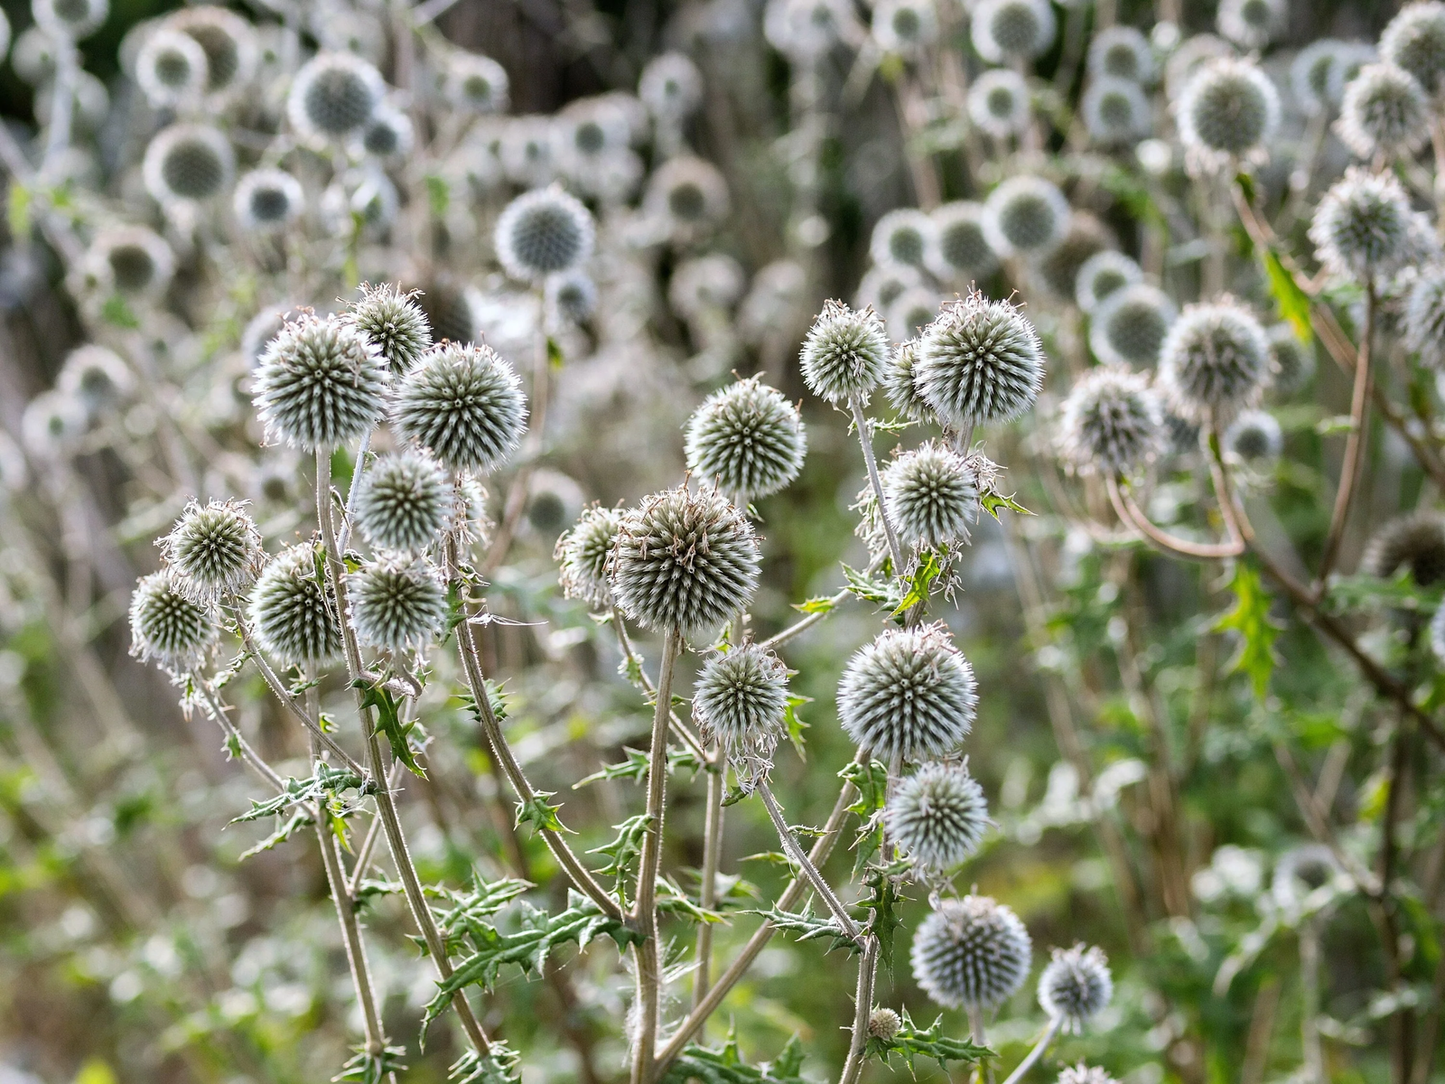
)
(229, 43)
(1115, 111)
(475, 83)
(706, 284)
(1302, 871)
(884, 1024)
(1254, 437)
(319, 384)
(905, 27)
(396, 604)
(333, 97)
(394, 323)
(1414, 542)
(525, 149)
(845, 353)
(689, 195)
(999, 103)
(187, 164)
(1293, 361)
(684, 561)
(1364, 229)
(1311, 75)
(1076, 986)
(1251, 24)
(909, 694)
(52, 424)
(569, 298)
(740, 700)
(464, 404)
(1006, 30)
(1384, 111)
(883, 285)
(1058, 269)
(1131, 325)
(69, 20)
(903, 236)
(1121, 52)
(170, 69)
(389, 134)
(931, 496)
(168, 625)
(1084, 1074)
(805, 30)
(1424, 323)
(582, 555)
(404, 503)
(971, 952)
(214, 550)
(267, 200)
(1415, 40)
(1101, 276)
(937, 816)
(980, 362)
(543, 232)
(671, 87)
(747, 438)
(132, 261)
(1112, 423)
(962, 253)
(898, 384)
(1214, 362)
(1191, 55)
(588, 133)
(553, 502)
(1228, 108)
(911, 312)
(292, 610)
(97, 378)
(33, 56)
(1025, 216)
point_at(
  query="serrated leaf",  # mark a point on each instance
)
(499, 1065)
(882, 900)
(806, 926)
(672, 900)
(367, 1068)
(388, 722)
(725, 1065)
(928, 570)
(1293, 302)
(820, 605)
(1258, 632)
(470, 909)
(635, 766)
(624, 849)
(539, 813)
(910, 1044)
(298, 820)
(313, 788)
(992, 502)
(795, 724)
(869, 589)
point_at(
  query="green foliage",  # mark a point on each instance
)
(910, 1044)
(367, 1068)
(625, 848)
(725, 1065)
(806, 926)
(1250, 618)
(635, 767)
(388, 721)
(499, 1065)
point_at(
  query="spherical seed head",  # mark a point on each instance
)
(1058, 268)
(1130, 326)
(543, 232)
(1228, 108)
(741, 700)
(899, 386)
(1424, 330)
(333, 97)
(685, 561)
(1415, 40)
(962, 253)
(1384, 111)
(1121, 52)
(1311, 73)
(396, 604)
(689, 194)
(1012, 29)
(905, 236)
(909, 693)
(405, 502)
(1102, 275)
(319, 383)
(69, 20)
(1025, 216)
(476, 83)
(845, 353)
(168, 625)
(464, 404)
(1076, 986)
(705, 284)
(671, 86)
(570, 298)
(52, 423)
(228, 40)
(170, 69)
(214, 550)
(1299, 872)
(1115, 111)
(267, 199)
(389, 134)
(1214, 361)
(911, 312)
(998, 103)
(450, 310)
(884, 1024)
(1251, 24)
(187, 163)
(931, 496)
(1364, 229)
(904, 26)
(1084, 1074)
(980, 361)
(583, 552)
(1293, 362)
(1112, 423)
(291, 614)
(1414, 542)
(97, 378)
(938, 816)
(747, 438)
(971, 952)
(1254, 437)
(132, 260)
(394, 323)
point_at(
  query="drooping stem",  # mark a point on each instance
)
(1037, 1052)
(866, 439)
(711, 857)
(1133, 516)
(1353, 461)
(862, 1009)
(810, 871)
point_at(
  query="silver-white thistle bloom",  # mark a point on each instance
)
(931, 496)
(1102, 275)
(1214, 362)
(69, 20)
(1025, 216)
(971, 952)
(1112, 423)
(688, 195)
(333, 97)
(740, 700)
(53, 422)
(394, 323)
(845, 353)
(171, 69)
(97, 377)
(962, 253)
(1415, 40)
(475, 83)
(905, 236)
(229, 43)
(1292, 362)
(807, 29)
(1115, 111)
(1076, 986)
(214, 550)
(909, 694)
(396, 604)
(132, 261)
(904, 27)
(1121, 52)
(1384, 111)
(980, 362)
(187, 164)
(292, 610)
(1414, 542)
(553, 501)
(388, 134)
(884, 1024)
(583, 552)
(1004, 30)
(168, 625)
(404, 503)
(1254, 437)
(1311, 75)
(911, 312)
(1251, 24)
(883, 285)
(747, 438)
(543, 232)
(999, 103)
(319, 384)
(706, 284)
(1228, 108)
(569, 298)
(1364, 229)
(464, 404)
(1131, 325)
(1085, 1074)
(1424, 323)
(899, 386)
(1300, 872)
(671, 86)
(267, 200)
(937, 816)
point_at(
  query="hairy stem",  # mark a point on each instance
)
(810, 871)
(1133, 516)
(711, 857)
(680, 728)
(1037, 1052)
(865, 438)
(862, 1009)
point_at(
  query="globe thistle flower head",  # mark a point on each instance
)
(685, 561)
(688, 195)
(569, 298)
(171, 69)
(1058, 269)
(910, 694)
(962, 253)
(333, 97)
(706, 284)
(845, 353)
(1251, 24)
(1301, 872)
(1254, 437)
(1214, 362)
(187, 164)
(999, 103)
(404, 503)
(1101, 276)
(883, 285)
(1076, 986)
(393, 323)
(1228, 109)
(1085, 1074)
(1194, 53)
(168, 625)
(214, 550)
(1363, 227)
(1384, 112)
(396, 604)
(931, 496)
(525, 150)
(937, 816)
(740, 700)
(899, 386)
(1115, 111)
(267, 200)
(1112, 423)
(980, 361)
(1311, 76)
(911, 312)
(476, 83)
(1004, 30)
(1415, 40)
(1414, 542)
(1292, 363)
(292, 612)
(1130, 326)
(132, 261)
(53, 422)
(1424, 318)
(553, 502)
(747, 438)
(97, 378)
(671, 87)
(319, 383)
(32, 56)
(905, 236)
(971, 952)
(543, 232)
(804, 30)
(388, 134)
(69, 20)
(228, 41)
(450, 308)
(583, 552)
(1025, 216)
(464, 404)
(1121, 52)
(904, 27)
(884, 1024)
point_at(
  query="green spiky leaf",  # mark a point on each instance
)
(1257, 630)
(388, 722)
(910, 1043)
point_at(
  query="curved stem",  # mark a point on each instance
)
(810, 871)
(1036, 1053)
(862, 1009)
(1353, 461)
(681, 729)
(1132, 515)
(865, 437)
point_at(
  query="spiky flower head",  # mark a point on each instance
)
(1415, 40)
(1300, 872)
(1214, 361)
(475, 83)
(1384, 111)
(741, 700)
(971, 952)
(168, 625)
(1130, 326)
(938, 816)
(904, 235)
(684, 560)
(1025, 216)
(229, 43)
(748, 438)
(1414, 542)
(1255, 437)
(1115, 111)
(962, 253)
(394, 323)
(388, 134)
(688, 195)
(1112, 423)
(170, 69)
(214, 550)
(1251, 24)
(464, 404)
(904, 27)
(319, 383)
(543, 232)
(582, 553)
(52, 424)
(931, 496)
(999, 103)
(1102, 275)
(1003, 30)
(1292, 362)
(980, 361)
(292, 611)
(396, 604)
(1311, 75)
(1364, 229)
(1121, 52)
(266, 200)
(1085, 1074)
(1076, 986)
(910, 693)
(911, 312)
(133, 261)
(845, 353)
(671, 86)
(1058, 268)
(706, 284)
(187, 164)
(899, 386)
(404, 503)
(69, 20)
(884, 1024)
(570, 298)
(97, 377)
(1228, 108)
(333, 97)
(1424, 323)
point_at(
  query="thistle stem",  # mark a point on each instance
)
(862, 1009)
(1037, 1052)
(351, 494)
(810, 871)
(681, 729)
(865, 437)
(1353, 462)
(711, 857)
